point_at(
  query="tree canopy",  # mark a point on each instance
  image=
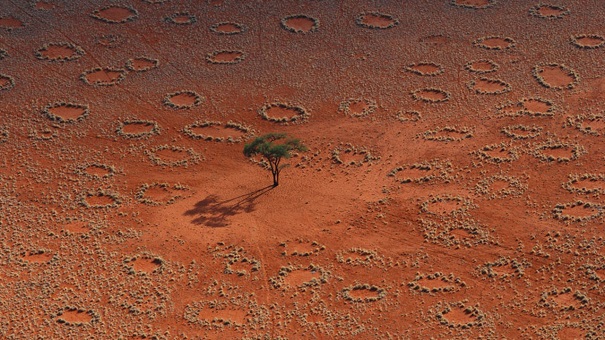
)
(274, 147)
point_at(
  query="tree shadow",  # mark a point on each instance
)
(214, 213)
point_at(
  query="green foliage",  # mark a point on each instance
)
(274, 147)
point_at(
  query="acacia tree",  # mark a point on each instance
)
(274, 147)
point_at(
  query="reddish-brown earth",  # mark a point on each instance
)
(120, 224)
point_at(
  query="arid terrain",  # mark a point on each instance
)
(452, 187)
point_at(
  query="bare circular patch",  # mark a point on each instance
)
(555, 76)
(44, 6)
(473, 4)
(358, 107)
(351, 155)
(497, 153)
(100, 199)
(457, 315)
(283, 113)
(482, 66)
(103, 76)
(65, 112)
(446, 205)
(181, 18)
(300, 23)
(408, 116)
(546, 11)
(10, 23)
(363, 293)
(592, 124)
(431, 95)
(561, 152)
(228, 28)
(299, 277)
(376, 20)
(225, 57)
(170, 155)
(489, 86)
(586, 183)
(422, 172)
(61, 51)
(183, 99)
(73, 316)
(448, 134)
(6, 82)
(500, 186)
(142, 64)
(138, 129)
(535, 107)
(144, 264)
(425, 69)
(156, 194)
(521, 131)
(110, 40)
(436, 283)
(218, 132)
(115, 14)
(495, 43)
(588, 41)
(96, 170)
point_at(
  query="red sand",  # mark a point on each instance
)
(220, 254)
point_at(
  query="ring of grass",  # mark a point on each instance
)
(285, 26)
(78, 52)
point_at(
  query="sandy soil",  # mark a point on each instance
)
(452, 188)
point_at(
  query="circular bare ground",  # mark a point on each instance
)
(448, 134)
(73, 316)
(446, 205)
(181, 18)
(9, 23)
(155, 194)
(142, 64)
(578, 211)
(489, 86)
(425, 69)
(546, 11)
(100, 199)
(39, 256)
(500, 186)
(473, 4)
(561, 152)
(588, 41)
(299, 277)
(482, 66)
(300, 23)
(458, 316)
(42, 134)
(593, 124)
(358, 107)
(225, 57)
(6, 82)
(521, 131)
(96, 170)
(144, 264)
(63, 112)
(218, 132)
(44, 6)
(351, 155)
(437, 282)
(421, 172)
(138, 129)
(170, 155)
(103, 76)
(110, 40)
(183, 99)
(586, 183)
(228, 28)
(363, 293)
(115, 14)
(555, 76)
(61, 51)
(376, 20)
(283, 113)
(408, 116)
(495, 43)
(497, 153)
(431, 95)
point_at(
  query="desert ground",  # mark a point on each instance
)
(451, 190)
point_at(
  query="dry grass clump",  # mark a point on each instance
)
(583, 123)
(98, 14)
(443, 283)
(552, 11)
(539, 69)
(358, 155)
(6, 82)
(299, 113)
(456, 232)
(197, 99)
(521, 131)
(471, 66)
(539, 151)
(192, 156)
(595, 210)
(408, 116)
(597, 183)
(368, 107)
(588, 41)
(475, 315)
(431, 95)
(3, 54)
(473, 4)
(151, 128)
(302, 248)
(457, 205)
(109, 170)
(239, 313)
(150, 64)
(504, 268)
(489, 86)
(549, 299)
(61, 318)
(534, 107)
(174, 190)
(425, 69)
(47, 111)
(245, 131)
(367, 293)
(232, 57)
(44, 256)
(116, 200)
(423, 172)
(501, 43)
(514, 187)
(43, 134)
(360, 257)
(448, 134)
(280, 281)
(121, 75)
(3, 134)
(239, 28)
(314, 26)
(497, 153)
(381, 21)
(181, 18)
(77, 52)
(156, 264)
